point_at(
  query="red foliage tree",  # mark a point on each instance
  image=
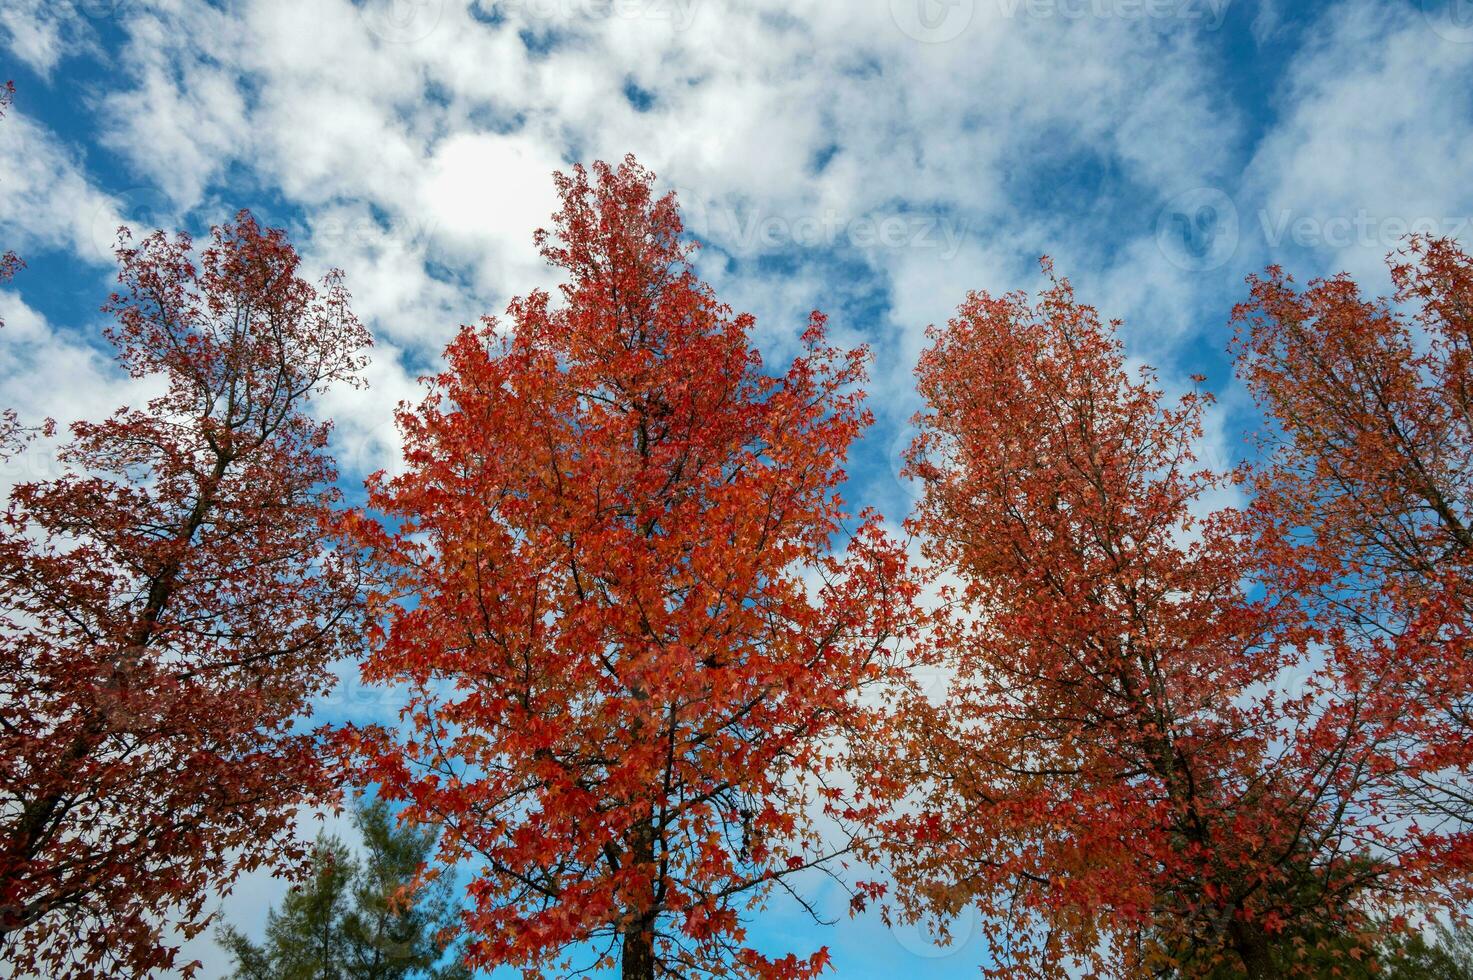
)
(1123, 771)
(629, 646)
(1368, 489)
(167, 609)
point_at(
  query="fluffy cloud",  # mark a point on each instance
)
(1375, 140)
(46, 372)
(787, 110)
(41, 33)
(46, 198)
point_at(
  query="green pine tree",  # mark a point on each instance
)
(1448, 956)
(343, 922)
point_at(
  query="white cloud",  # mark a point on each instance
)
(47, 373)
(744, 99)
(184, 117)
(41, 33)
(420, 149)
(484, 194)
(46, 199)
(1375, 140)
(365, 437)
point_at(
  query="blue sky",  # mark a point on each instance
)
(871, 158)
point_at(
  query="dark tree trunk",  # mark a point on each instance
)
(639, 927)
(639, 952)
(1251, 945)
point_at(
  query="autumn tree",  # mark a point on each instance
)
(1368, 487)
(359, 917)
(629, 643)
(168, 608)
(1143, 761)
